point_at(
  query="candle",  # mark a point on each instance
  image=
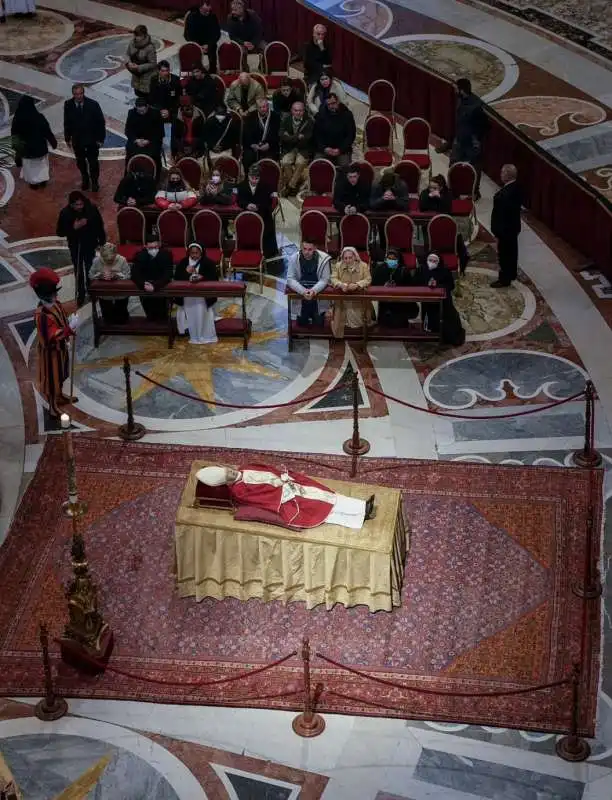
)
(65, 421)
(67, 433)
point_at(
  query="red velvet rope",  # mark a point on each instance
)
(296, 402)
(395, 685)
(488, 417)
(195, 685)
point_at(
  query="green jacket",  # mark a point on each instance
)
(145, 58)
(303, 140)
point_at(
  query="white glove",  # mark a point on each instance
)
(74, 321)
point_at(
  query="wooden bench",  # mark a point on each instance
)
(396, 294)
(141, 326)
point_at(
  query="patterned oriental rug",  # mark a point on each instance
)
(487, 603)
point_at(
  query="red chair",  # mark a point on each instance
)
(442, 237)
(355, 232)
(381, 97)
(190, 56)
(269, 172)
(172, 226)
(300, 85)
(248, 252)
(410, 173)
(131, 226)
(229, 61)
(142, 163)
(321, 177)
(229, 166)
(191, 170)
(416, 132)
(399, 232)
(207, 228)
(313, 228)
(462, 185)
(378, 141)
(276, 58)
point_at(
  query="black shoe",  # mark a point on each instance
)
(2, 20)
(500, 284)
(370, 511)
(95, 186)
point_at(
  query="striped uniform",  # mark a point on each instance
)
(53, 363)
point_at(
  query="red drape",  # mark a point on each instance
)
(564, 203)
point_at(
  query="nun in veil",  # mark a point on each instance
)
(196, 313)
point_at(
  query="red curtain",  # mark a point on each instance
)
(565, 204)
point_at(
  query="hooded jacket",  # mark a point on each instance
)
(335, 129)
(145, 58)
(323, 272)
(179, 131)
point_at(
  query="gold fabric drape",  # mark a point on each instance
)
(217, 556)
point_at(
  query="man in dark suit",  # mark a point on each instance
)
(202, 26)
(85, 132)
(144, 131)
(506, 226)
(260, 134)
(152, 270)
(253, 195)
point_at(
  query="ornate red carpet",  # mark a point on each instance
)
(487, 603)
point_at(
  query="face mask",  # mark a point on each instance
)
(432, 263)
(216, 179)
(193, 261)
(141, 110)
(153, 251)
(392, 263)
(220, 117)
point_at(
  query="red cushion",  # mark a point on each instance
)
(128, 251)
(322, 201)
(178, 253)
(231, 326)
(462, 208)
(214, 253)
(409, 260)
(274, 81)
(364, 256)
(228, 78)
(253, 514)
(450, 260)
(246, 259)
(413, 205)
(421, 159)
(379, 158)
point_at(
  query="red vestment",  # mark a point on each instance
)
(297, 511)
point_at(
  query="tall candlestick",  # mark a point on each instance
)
(73, 507)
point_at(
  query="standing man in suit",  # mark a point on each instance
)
(506, 226)
(85, 132)
(202, 26)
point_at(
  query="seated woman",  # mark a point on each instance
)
(216, 191)
(436, 197)
(108, 265)
(321, 90)
(177, 194)
(435, 275)
(391, 272)
(198, 316)
(350, 274)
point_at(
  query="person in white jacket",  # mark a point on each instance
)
(321, 90)
(308, 273)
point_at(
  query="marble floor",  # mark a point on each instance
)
(525, 346)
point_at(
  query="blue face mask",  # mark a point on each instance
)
(392, 263)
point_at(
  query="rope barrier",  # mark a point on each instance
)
(190, 684)
(219, 403)
(394, 685)
(487, 417)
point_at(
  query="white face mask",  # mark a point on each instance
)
(220, 117)
(193, 261)
(216, 179)
(432, 263)
(153, 251)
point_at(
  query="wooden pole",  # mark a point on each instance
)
(51, 707)
(355, 446)
(589, 457)
(573, 747)
(308, 723)
(131, 431)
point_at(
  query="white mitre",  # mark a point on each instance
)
(212, 476)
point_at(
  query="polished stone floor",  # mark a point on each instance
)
(535, 342)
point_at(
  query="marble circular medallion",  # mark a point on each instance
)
(22, 37)
(369, 16)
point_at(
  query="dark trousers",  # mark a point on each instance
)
(507, 257)
(82, 259)
(309, 312)
(87, 161)
(115, 312)
(155, 308)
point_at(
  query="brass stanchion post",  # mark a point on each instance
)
(573, 747)
(591, 586)
(355, 446)
(73, 507)
(131, 431)
(588, 457)
(309, 723)
(51, 706)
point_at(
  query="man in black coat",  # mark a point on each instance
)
(506, 225)
(317, 56)
(202, 26)
(335, 132)
(80, 222)
(152, 270)
(136, 189)
(260, 134)
(165, 92)
(351, 192)
(85, 132)
(244, 26)
(144, 131)
(204, 90)
(253, 195)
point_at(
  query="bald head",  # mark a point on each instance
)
(508, 173)
(244, 79)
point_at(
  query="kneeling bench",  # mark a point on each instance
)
(239, 327)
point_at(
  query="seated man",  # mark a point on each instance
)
(221, 132)
(136, 189)
(317, 55)
(351, 191)
(244, 26)
(296, 135)
(144, 131)
(253, 195)
(188, 132)
(335, 132)
(389, 193)
(391, 272)
(152, 270)
(285, 96)
(204, 90)
(243, 94)
(165, 92)
(308, 273)
(295, 500)
(260, 134)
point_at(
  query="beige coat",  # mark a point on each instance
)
(119, 269)
(233, 95)
(349, 313)
(145, 58)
